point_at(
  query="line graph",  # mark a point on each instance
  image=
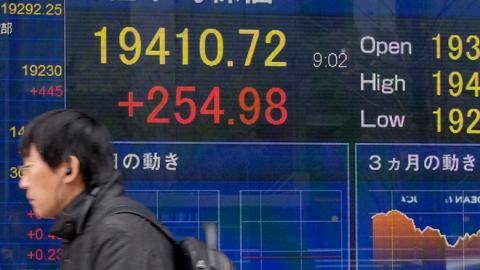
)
(400, 226)
(396, 238)
(424, 229)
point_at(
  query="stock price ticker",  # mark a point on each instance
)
(258, 113)
(275, 77)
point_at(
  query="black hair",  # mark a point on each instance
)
(59, 134)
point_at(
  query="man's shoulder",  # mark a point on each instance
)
(117, 201)
(110, 212)
(123, 215)
(130, 237)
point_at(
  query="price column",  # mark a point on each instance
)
(456, 83)
(31, 83)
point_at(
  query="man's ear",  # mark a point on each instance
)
(72, 169)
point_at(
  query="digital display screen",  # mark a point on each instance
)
(315, 134)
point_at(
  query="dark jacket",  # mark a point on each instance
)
(115, 242)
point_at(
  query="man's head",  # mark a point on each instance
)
(64, 152)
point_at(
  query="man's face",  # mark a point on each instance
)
(40, 181)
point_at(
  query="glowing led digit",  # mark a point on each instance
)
(184, 37)
(254, 107)
(203, 53)
(317, 57)
(161, 52)
(137, 45)
(103, 44)
(455, 85)
(282, 40)
(455, 48)
(253, 44)
(456, 118)
(279, 106)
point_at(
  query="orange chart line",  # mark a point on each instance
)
(406, 228)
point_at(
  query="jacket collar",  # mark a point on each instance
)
(68, 221)
(64, 226)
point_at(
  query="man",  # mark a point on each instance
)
(68, 171)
